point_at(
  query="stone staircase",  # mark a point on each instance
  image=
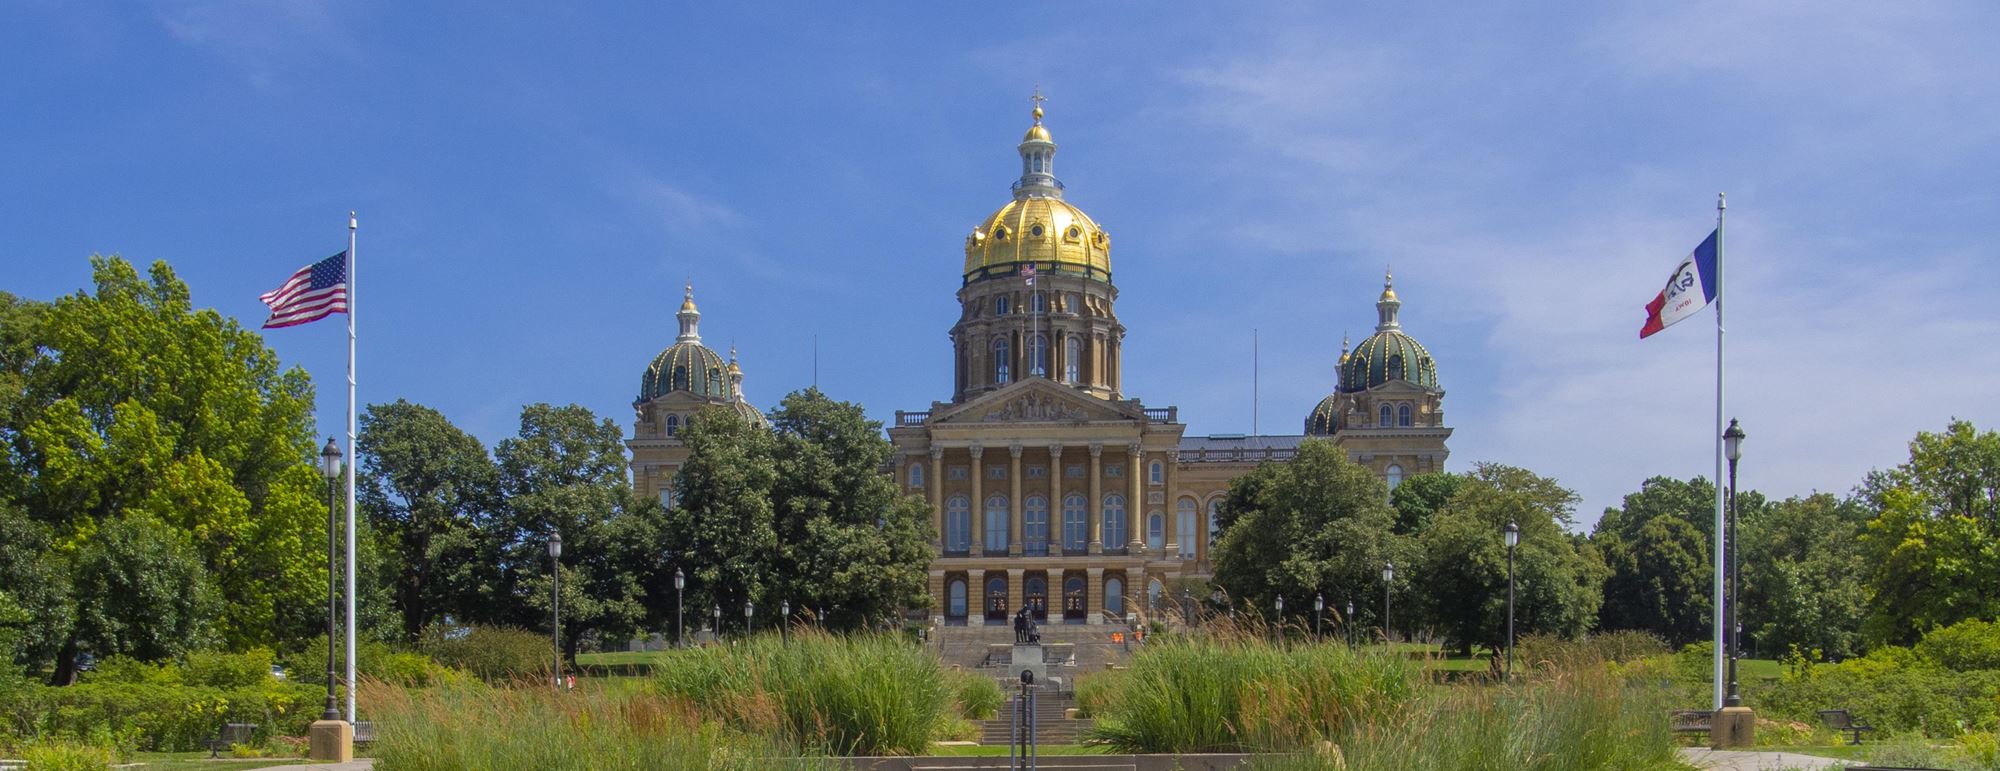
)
(1072, 649)
(1051, 727)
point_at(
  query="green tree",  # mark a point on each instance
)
(565, 473)
(131, 404)
(1459, 581)
(1420, 497)
(151, 599)
(1934, 538)
(849, 541)
(1802, 567)
(724, 528)
(38, 579)
(1318, 525)
(1660, 581)
(430, 492)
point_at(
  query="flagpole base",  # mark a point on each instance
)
(330, 741)
(1732, 728)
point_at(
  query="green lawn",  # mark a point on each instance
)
(198, 761)
(986, 750)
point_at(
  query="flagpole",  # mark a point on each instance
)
(1721, 533)
(352, 224)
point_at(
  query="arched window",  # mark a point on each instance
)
(1035, 525)
(1000, 305)
(1072, 358)
(1002, 359)
(1114, 522)
(1156, 473)
(1153, 591)
(1114, 597)
(1395, 475)
(917, 474)
(667, 497)
(673, 426)
(1403, 415)
(957, 524)
(1184, 526)
(1386, 417)
(1038, 354)
(1039, 302)
(679, 382)
(1076, 530)
(955, 599)
(996, 599)
(996, 523)
(1156, 531)
(1073, 599)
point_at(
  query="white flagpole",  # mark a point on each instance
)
(1721, 533)
(351, 226)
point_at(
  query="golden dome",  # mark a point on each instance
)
(1037, 134)
(1040, 230)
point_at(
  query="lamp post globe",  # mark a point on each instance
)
(680, 625)
(1732, 448)
(1388, 579)
(555, 603)
(1319, 606)
(785, 621)
(329, 468)
(1347, 622)
(715, 611)
(749, 624)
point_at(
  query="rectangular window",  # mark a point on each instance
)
(1038, 472)
(1114, 471)
(1073, 472)
(956, 472)
(996, 472)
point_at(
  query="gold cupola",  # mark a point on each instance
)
(1038, 226)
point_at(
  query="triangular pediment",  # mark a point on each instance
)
(1038, 400)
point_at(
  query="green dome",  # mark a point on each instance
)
(1322, 421)
(685, 366)
(749, 413)
(1388, 355)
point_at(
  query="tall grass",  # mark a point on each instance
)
(1229, 692)
(474, 726)
(828, 694)
(1586, 720)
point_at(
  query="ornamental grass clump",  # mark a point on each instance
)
(829, 694)
(1238, 693)
(475, 726)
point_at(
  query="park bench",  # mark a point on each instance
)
(1843, 721)
(364, 731)
(231, 735)
(1692, 721)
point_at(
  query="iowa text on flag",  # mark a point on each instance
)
(315, 292)
(1690, 289)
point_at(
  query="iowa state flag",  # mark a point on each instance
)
(1690, 289)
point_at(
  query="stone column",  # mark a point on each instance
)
(1135, 507)
(937, 497)
(1094, 589)
(1093, 509)
(941, 603)
(978, 505)
(1055, 496)
(1014, 506)
(1170, 506)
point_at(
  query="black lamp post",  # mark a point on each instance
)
(1513, 539)
(1187, 605)
(785, 621)
(680, 626)
(555, 602)
(1732, 448)
(329, 467)
(716, 612)
(1319, 606)
(1388, 579)
(1348, 623)
(749, 623)
(1278, 628)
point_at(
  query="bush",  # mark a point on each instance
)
(492, 653)
(839, 695)
(1966, 646)
(64, 756)
(163, 717)
(229, 670)
(978, 696)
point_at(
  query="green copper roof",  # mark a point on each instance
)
(1388, 355)
(685, 366)
(1323, 420)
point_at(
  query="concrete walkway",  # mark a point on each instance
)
(1738, 760)
(357, 764)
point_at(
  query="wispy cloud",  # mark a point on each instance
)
(261, 37)
(679, 210)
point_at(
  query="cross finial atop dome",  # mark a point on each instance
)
(1038, 99)
(690, 317)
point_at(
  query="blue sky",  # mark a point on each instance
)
(536, 180)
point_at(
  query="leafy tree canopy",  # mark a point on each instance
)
(1459, 581)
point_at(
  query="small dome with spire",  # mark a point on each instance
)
(1389, 354)
(687, 365)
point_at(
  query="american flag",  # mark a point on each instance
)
(315, 292)
(1028, 271)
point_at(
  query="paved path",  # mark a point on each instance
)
(357, 764)
(1737, 760)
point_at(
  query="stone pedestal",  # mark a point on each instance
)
(330, 741)
(1733, 727)
(1028, 657)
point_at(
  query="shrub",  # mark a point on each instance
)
(978, 696)
(65, 756)
(229, 670)
(867, 694)
(166, 717)
(1963, 647)
(492, 653)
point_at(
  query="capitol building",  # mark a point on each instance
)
(1048, 487)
